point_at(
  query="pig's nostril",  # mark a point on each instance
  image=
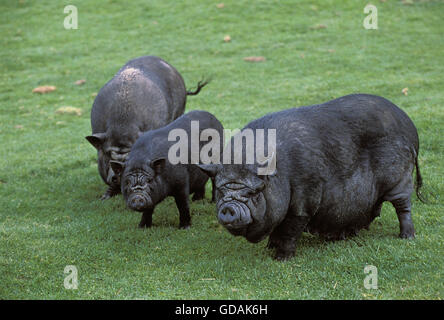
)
(228, 211)
(137, 202)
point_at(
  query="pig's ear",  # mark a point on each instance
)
(117, 166)
(96, 139)
(158, 165)
(210, 169)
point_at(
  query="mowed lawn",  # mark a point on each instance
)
(50, 212)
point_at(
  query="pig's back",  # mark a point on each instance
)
(146, 92)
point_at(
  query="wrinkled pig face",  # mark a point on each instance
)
(241, 204)
(108, 151)
(140, 184)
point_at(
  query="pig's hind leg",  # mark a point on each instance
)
(199, 194)
(400, 199)
(182, 202)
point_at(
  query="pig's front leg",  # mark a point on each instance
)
(283, 238)
(147, 219)
(183, 204)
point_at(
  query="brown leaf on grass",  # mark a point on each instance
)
(319, 26)
(254, 59)
(19, 126)
(80, 82)
(405, 91)
(69, 110)
(220, 5)
(227, 38)
(44, 89)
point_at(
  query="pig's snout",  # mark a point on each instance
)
(235, 216)
(139, 202)
(228, 215)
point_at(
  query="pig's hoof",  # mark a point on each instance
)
(185, 227)
(283, 255)
(407, 235)
(106, 196)
(271, 244)
(407, 231)
(144, 225)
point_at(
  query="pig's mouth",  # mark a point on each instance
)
(139, 201)
(243, 216)
(235, 216)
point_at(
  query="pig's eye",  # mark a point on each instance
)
(234, 186)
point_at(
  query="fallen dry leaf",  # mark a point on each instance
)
(69, 110)
(254, 59)
(405, 91)
(220, 5)
(319, 26)
(19, 126)
(227, 38)
(44, 89)
(80, 82)
(331, 50)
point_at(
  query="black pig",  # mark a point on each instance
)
(147, 93)
(148, 176)
(336, 163)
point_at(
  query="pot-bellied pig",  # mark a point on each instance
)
(147, 93)
(158, 166)
(335, 164)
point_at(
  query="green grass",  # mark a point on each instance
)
(50, 215)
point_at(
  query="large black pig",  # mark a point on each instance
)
(147, 93)
(336, 163)
(149, 174)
